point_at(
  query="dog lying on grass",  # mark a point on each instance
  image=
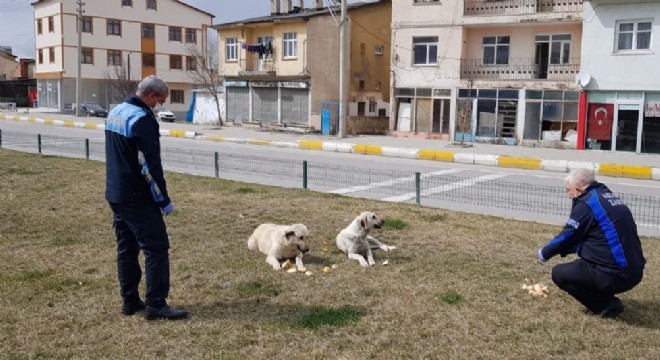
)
(355, 240)
(281, 242)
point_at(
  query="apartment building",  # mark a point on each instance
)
(283, 69)
(8, 63)
(619, 76)
(483, 70)
(121, 39)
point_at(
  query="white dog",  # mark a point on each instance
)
(281, 242)
(356, 241)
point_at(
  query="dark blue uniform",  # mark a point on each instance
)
(602, 232)
(136, 191)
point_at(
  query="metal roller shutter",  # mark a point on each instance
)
(238, 104)
(264, 105)
(295, 106)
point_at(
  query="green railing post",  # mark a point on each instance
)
(304, 174)
(87, 149)
(39, 142)
(417, 188)
(217, 164)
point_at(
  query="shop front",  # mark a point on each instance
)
(623, 121)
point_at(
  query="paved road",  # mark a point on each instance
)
(513, 193)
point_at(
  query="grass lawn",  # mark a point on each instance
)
(452, 289)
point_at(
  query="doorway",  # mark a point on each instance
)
(541, 61)
(627, 127)
(441, 116)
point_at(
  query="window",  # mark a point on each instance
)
(265, 40)
(175, 62)
(51, 24)
(87, 56)
(87, 24)
(634, 35)
(148, 60)
(191, 36)
(496, 50)
(151, 4)
(379, 49)
(40, 27)
(558, 48)
(41, 56)
(425, 1)
(114, 27)
(51, 55)
(191, 63)
(361, 85)
(372, 105)
(290, 45)
(550, 114)
(231, 49)
(176, 96)
(175, 33)
(126, 2)
(114, 57)
(425, 50)
(148, 31)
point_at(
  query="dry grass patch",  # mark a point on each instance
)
(451, 289)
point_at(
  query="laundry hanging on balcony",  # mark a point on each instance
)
(260, 49)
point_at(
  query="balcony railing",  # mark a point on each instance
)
(519, 69)
(257, 67)
(518, 7)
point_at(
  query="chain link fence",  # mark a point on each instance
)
(421, 188)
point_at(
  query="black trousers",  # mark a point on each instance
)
(592, 287)
(140, 226)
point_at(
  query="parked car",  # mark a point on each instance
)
(165, 115)
(93, 109)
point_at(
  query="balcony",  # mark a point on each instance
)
(257, 66)
(519, 7)
(519, 69)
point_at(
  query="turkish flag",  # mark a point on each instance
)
(599, 121)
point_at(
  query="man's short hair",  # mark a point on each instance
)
(152, 84)
(580, 177)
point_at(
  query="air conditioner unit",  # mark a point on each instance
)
(379, 49)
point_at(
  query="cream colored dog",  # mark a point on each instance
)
(355, 240)
(281, 242)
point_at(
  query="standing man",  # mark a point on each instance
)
(137, 193)
(602, 232)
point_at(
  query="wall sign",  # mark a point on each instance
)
(652, 110)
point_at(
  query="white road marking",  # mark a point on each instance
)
(391, 182)
(444, 188)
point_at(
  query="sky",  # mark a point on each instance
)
(17, 18)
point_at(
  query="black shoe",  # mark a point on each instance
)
(165, 312)
(130, 308)
(612, 310)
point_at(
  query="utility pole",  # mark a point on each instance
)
(80, 28)
(342, 69)
(128, 74)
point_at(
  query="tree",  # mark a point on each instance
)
(204, 71)
(121, 85)
(465, 113)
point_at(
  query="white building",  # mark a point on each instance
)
(146, 36)
(483, 70)
(620, 72)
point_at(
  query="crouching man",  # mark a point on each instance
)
(602, 233)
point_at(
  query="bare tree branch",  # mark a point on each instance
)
(121, 86)
(204, 71)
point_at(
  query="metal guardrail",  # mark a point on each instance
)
(519, 7)
(256, 66)
(520, 69)
(500, 194)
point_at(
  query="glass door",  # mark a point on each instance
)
(627, 127)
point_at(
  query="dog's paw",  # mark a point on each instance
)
(387, 247)
(364, 264)
(302, 269)
(372, 262)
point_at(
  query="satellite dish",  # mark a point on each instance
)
(583, 78)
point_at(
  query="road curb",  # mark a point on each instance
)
(562, 166)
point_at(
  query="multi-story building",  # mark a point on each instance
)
(7, 63)
(283, 69)
(619, 76)
(121, 39)
(483, 70)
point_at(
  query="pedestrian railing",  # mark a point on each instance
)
(420, 188)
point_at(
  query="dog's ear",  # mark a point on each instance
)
(289, 234)
(363, 223)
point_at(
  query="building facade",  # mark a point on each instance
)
(121, 40)
(493, 71)
(283, 69)
(619, 76)
(8, 64)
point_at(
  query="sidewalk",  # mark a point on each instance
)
(616, 164)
